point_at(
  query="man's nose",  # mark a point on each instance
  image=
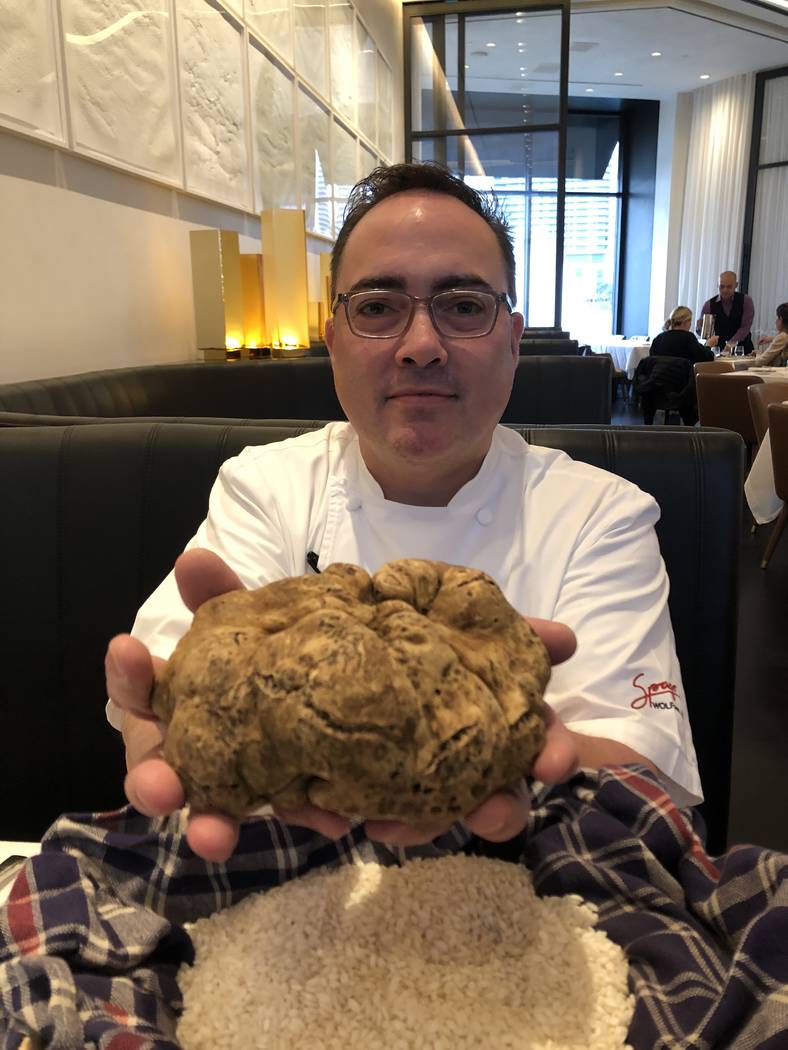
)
(421, 344)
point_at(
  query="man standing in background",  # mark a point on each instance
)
(733, 314)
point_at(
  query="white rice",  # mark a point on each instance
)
(439, 954)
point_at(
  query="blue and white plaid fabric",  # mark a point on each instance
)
(92, 937)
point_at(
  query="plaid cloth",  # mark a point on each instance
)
(92, 937)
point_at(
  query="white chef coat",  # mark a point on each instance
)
(564, 541)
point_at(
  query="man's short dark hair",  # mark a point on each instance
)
(387, 180)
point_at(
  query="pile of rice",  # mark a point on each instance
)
(449, 953)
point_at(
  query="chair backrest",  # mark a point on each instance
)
(778, 438)
(94, 517)
(713, 366)
(723, 402)
(537, 347)
(760, 396)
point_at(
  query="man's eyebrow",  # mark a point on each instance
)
(398, 282)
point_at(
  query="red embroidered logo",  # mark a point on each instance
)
(648, 695)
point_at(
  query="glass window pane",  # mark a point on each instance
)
(210, 47)
(366, 78)
(774, 130)
(590, 252)
(341, 42)
(314, 173)
(508, 74)
(271, 19)
(28, 71)
(344, 170)
(310, 42)
(385, 106)
(272, 93)
(522, 168)
(122, 85)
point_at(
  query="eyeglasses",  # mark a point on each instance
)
(458, 313)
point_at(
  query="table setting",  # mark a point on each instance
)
(626, 353)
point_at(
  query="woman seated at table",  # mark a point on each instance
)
(777, 351)
(676, 340)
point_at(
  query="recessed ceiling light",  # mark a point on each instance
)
(704, 76)
(491, 44)
(656, 54)
(618, 74)
(519, 21)
(467, 67)
(522, 69)
(589, 91)
(522, 74)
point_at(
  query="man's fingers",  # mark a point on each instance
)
(559, 639)
(330, 825)
(501, 816)
(558, 759)
(395, 833)
(153, 787)
(201, 574)
(212, 836)
(130, 670)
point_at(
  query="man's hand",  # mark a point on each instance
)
(153, 787)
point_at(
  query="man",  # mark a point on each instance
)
(424, 343)
(733, 314)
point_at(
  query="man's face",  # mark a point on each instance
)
(727, 285)
(423, 396)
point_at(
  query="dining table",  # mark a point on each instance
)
(625, 353)
(768, 373)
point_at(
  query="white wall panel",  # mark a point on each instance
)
(121, 82)
(272, 101)
(210, 48)
(29, 96)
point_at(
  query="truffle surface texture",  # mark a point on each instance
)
(410, 695)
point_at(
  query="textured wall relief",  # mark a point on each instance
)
(274, 147)
(272, 19)
(119, 58)
(28, 73)
(213, 103)
(341, 40)
(314, 170)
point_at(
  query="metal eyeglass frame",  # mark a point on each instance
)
(343, 298)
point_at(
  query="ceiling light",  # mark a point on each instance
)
(523, 74)
(656, 54)
(467, 67)
(491, 44)
(519, 21)
(618, 74)
(522, 69)
(704, 76)
(589, 91)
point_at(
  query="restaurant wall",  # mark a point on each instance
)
(94, 267)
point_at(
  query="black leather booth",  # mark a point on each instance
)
(558, 390)
(537, 347)
(92, 518)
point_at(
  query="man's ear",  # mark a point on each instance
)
(518, 323)
(329, 336)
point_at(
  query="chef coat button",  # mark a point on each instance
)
(353, 502)
(484, 516)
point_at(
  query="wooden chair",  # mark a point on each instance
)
(723, 402)
(778, 437)
(760, 396)
(713, 366)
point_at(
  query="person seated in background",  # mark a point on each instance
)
(776, 352)
(676, 339)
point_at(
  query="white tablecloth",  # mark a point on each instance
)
(762, 500)
(626, 353)
(768, 375)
